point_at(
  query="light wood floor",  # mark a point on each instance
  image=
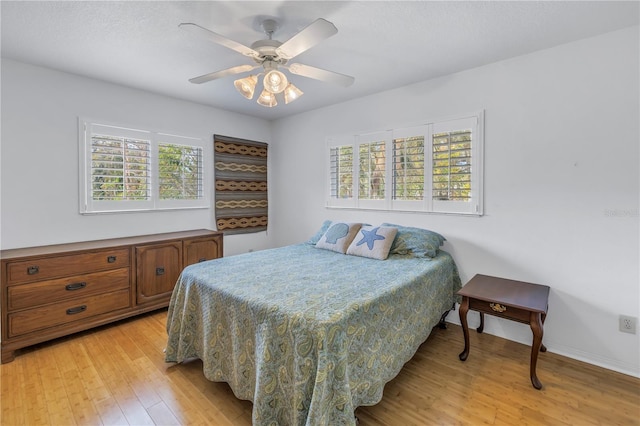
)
(116, 375)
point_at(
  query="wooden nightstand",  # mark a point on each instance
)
(514, 300)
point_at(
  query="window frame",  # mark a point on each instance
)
(474, 121)
(87, 205)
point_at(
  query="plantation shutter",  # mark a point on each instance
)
(341, 171)
(432, 167)
(180, 172)
(119, 168)
(452, 165)
(241, 202)
(408, 168)
(371, 174)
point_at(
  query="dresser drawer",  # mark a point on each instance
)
(23, 271)
(43, 292)
(29, 320)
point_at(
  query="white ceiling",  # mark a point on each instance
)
(383, 44)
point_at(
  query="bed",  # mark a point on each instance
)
(307, 334)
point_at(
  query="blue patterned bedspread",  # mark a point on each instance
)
(307, 334)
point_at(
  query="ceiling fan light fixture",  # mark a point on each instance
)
(267, 99)
(275, 81)
(246, 86)
(291, 93)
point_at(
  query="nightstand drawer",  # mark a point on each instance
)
(63, 266)
(499, 310)
(29, 320)
(79, 286)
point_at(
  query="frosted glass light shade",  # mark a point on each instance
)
(275, 81)
(267, 99)
(291, 93)
(246, 86)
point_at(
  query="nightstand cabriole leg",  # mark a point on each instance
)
(536, 327)
(464, 309)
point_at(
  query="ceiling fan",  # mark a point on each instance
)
(272, 55)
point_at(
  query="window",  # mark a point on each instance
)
(179, 172)
(451, 171)
(408, 168)
(119, 168)
(435, 167)
(124, 169)
(371, 169)
(341, 160)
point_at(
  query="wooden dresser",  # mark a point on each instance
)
(53, 291)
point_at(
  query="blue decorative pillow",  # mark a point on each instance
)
(373, 242)
(338, 236)
(416, 241)
(314, 240)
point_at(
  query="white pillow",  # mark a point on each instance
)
(338, 236)
(373, 241)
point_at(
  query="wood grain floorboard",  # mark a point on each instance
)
(116, 375)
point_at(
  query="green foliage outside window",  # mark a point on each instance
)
(342, 172)
(452, 166)
(372, 171)
(408, 168)
(179, 172)
(119, 168)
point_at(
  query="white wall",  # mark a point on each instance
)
(561, 176)
(561, 184)
(40, 110)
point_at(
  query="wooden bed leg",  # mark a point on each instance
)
(442, 324)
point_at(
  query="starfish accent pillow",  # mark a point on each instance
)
(373, 241)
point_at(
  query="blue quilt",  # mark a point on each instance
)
(307, 334)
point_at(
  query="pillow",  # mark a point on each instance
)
(416, 241)
(373, 242)
(325, 225)
(338, 236)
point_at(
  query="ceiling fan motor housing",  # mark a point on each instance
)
(267, 51)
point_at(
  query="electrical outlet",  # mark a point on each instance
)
(628, 324)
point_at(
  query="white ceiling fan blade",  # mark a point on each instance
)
(217, 38)
(320, 74)
(314, 33)
(222, 73)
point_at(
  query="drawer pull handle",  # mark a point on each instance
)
(497, 307)
(111, 259)
(75, 286)
(76, 310)
(160, 271)
(32, 270)
(202, 259)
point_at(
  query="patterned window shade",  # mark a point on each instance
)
(241, 185)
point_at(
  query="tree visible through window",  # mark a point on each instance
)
(180, 172)
(408, 168)
(432, 167)
(341, 159)
(119, 168)
(126, 169)
(452, 165)
(372, 171)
